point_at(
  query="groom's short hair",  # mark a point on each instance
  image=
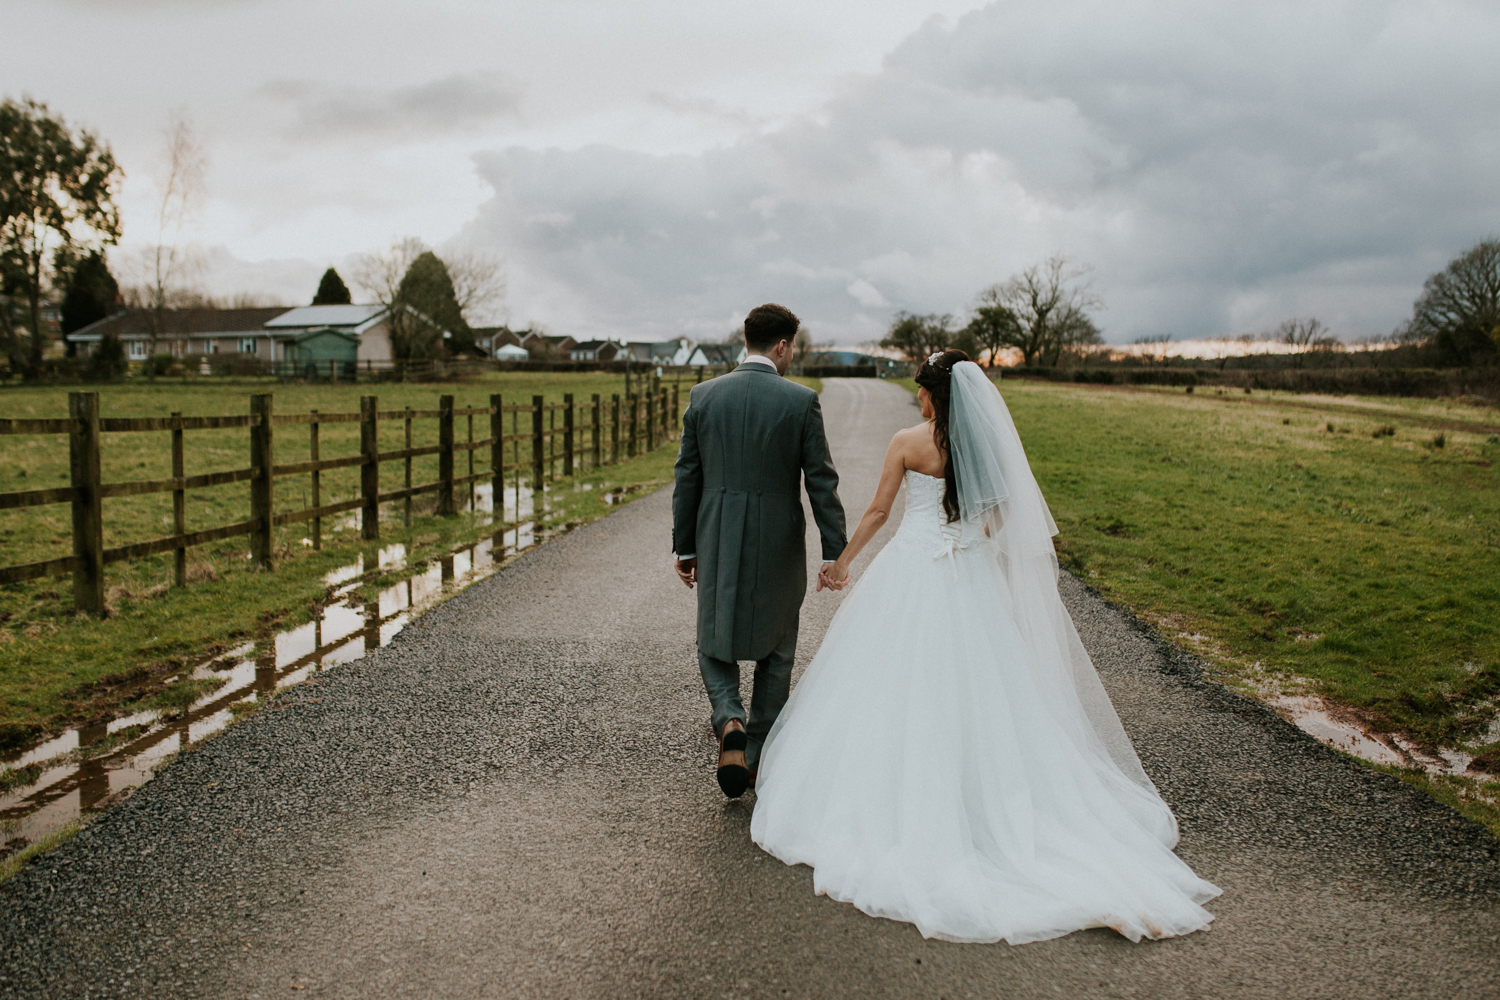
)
(768, 325)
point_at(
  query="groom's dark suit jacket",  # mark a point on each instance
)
(747, 439)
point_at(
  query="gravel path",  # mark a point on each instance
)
(515, 799)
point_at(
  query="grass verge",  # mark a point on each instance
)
(12, 865)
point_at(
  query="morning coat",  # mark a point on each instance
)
(749, 440)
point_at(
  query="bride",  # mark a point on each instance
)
(950, 757)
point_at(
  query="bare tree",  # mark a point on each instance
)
(380, 274)
(1459, 310)
(180, 184)
(1305, 336)
(1156, 346)
(478, 284)
(1221, 349)
(1047, 306)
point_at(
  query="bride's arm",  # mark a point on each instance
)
(836, 575)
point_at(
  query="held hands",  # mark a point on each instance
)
(833, 576)
(687, 571)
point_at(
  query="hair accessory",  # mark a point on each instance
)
(934, 358)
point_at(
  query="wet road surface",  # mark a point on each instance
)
(516, 799)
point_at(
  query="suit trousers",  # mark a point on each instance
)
(773, 684)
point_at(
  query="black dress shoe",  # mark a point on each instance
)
(733, 775)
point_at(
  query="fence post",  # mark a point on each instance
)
(179, 504)
(651, 421)
(445, 456)
(538, 455)
(635, 425)
(497, 464)
(598, 415)
(568, 436)
(676, 413)
(369, 472)
(614, 431)
(314, 432)
(406, 517)
(88, 513)
(262, 544)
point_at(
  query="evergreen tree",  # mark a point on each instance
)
(91, 292)
(428, 288)
(331, 290)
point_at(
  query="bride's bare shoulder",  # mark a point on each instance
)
(916, 432)
(901, 440)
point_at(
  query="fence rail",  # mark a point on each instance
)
(558, 441)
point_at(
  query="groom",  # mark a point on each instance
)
(738, 528)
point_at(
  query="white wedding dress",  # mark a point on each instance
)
(950, 757)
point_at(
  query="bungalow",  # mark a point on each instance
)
(266, 334)
(660, 352)
(184, 332)
(368, 325)
(716, 355)
(595, 350)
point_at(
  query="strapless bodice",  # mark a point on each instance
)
(925, 523)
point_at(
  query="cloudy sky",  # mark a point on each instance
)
(658, 167)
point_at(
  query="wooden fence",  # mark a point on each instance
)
(545, 440)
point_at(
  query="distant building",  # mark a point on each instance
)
(368, 325)
(543, 345)
(659, 352)
(716, 355)
(848, 359)
(266, 334)
(595, 350)
(490, 339)
(511, 352)
(185, 332)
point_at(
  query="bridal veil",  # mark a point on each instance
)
(1001, 504)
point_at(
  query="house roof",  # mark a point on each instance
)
(718, 354)
(135, 323)
(308, 316)
(594, 345)
(324, 331)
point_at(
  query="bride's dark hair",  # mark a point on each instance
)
(936, 376)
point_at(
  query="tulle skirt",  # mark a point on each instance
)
(931, 767)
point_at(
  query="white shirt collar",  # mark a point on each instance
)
(759, 359)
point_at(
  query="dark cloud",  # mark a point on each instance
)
(454, 103)
(1221, 168)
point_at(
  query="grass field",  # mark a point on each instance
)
(1338, 548)
(1345, 547)
(57, 669)
(39, 461)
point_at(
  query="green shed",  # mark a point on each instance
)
(323, 351)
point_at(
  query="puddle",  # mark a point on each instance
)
(1340, 730)
(344, 630)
